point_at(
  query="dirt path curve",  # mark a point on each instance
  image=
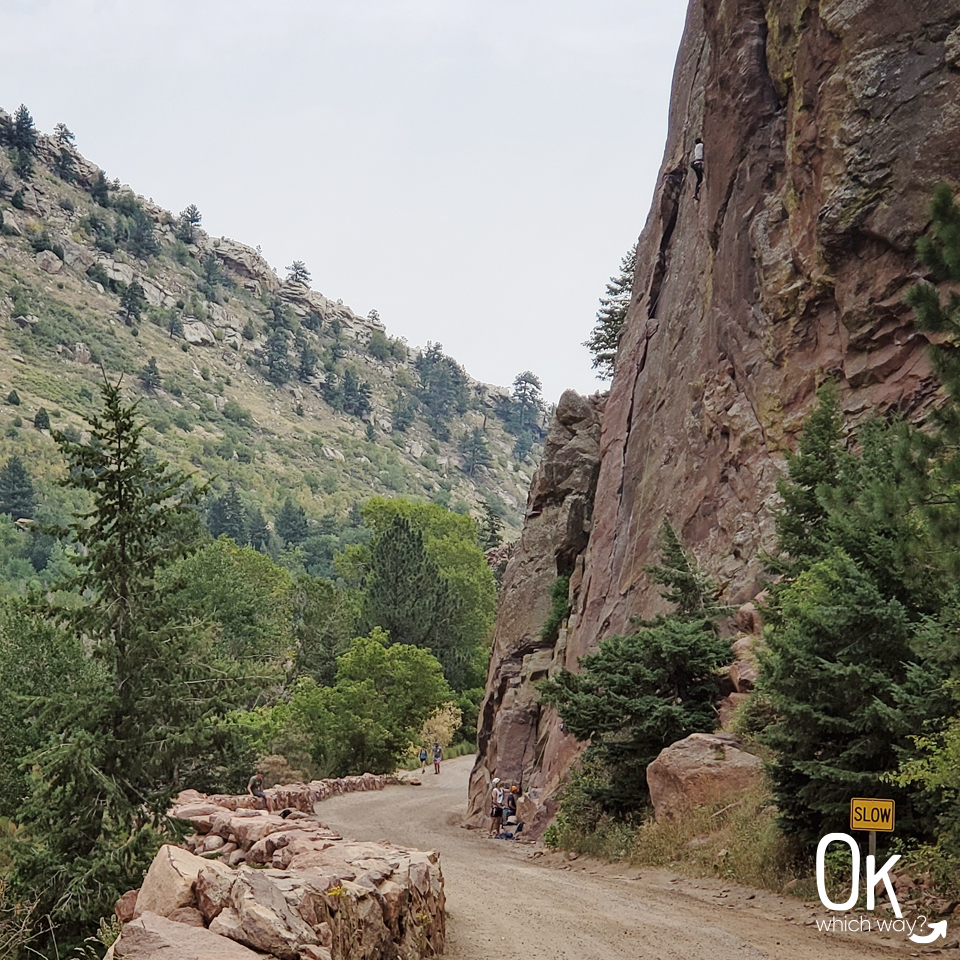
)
(502, 904)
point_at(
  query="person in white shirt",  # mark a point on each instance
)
(697, 166)
(496, 808)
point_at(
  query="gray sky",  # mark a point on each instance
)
(473, 169)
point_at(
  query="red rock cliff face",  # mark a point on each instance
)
(826, 125)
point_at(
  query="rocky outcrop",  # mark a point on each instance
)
(826, 126)
(701, 770)
(284, 885)
(555, 533)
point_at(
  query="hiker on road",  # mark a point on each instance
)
(437, 756)
(423, 759)
(496, 808)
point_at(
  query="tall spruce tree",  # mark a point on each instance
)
(605, 337)
(291, 523)
(407, 596)
(858, 634)
(17, 497)
(226, 516)
(101, 787)
(637, 694)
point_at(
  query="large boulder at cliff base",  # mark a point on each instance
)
(703, 769)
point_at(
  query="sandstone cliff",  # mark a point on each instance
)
(826, 125)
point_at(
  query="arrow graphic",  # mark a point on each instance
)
(937, 930)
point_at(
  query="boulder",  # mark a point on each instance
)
(198, 333)
(49, 262)
(151, 936)
(169, 882)
(702, 769)
(126, 907)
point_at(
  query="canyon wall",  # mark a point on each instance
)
(826, 125)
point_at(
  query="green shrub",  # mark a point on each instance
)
(13, 398)
(559, 609)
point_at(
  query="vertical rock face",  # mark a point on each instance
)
(826, 125)
(555, 532)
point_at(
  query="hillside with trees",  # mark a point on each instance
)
(295, 408)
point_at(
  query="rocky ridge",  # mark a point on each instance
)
(826, 127)
(58, 323)
(283, 884)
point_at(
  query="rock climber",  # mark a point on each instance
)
(697, 166)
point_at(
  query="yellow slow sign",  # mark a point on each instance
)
(871, 814)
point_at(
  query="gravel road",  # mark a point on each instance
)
(506, 901)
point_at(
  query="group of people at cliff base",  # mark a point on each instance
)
(503, 811)
(437, 757)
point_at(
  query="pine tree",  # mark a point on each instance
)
(475, 452)
(605, 336)
(291, 523)
(63, 135)
(17, 496)
(258, 533)
(23, 134)
(637, 694)
(100, 190)
(490, 529)
(407, 596)
(298, 273)
(133, 301)
(859, 626)
(279, 369)
(41, 419)
(150, 374)
(528, 401)
(103, 783)
(226, 516)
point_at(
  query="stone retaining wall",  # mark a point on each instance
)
(285, 886)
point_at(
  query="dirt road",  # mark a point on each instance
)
(505, 904)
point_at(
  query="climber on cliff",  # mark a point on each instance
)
(697, 166)
(255, 789)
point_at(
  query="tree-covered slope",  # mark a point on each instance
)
(259, 382)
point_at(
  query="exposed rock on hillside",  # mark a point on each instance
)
(826, 126)
(555, 533)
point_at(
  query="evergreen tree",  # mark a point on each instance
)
(17, 496)
(150, 374)
(298, 273)
(187, 223)
(278, 361)
(226, 516)
(443, 387)
(307, 369)
(638, 694)
(605, 336)
(23, 134)
(402, 414)
(407, 596)
(100, 190)
(22, 167)
(63, 135)
(528, 401)
(41, 419)
(490, 530)
(473, 447)
(291, 523)
(133, 301)
(64, 166)
(258, 533)
(858, 625)
(103, 783)
(356, 394)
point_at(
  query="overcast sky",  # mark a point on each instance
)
(473, 169)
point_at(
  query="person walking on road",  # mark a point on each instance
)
(423, 759)
(437, 756)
